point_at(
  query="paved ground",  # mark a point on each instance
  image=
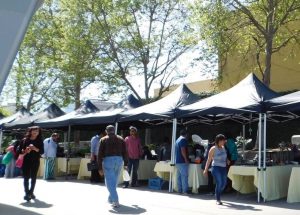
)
(73, 197)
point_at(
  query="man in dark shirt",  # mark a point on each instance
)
(182, 162)
(112, 153)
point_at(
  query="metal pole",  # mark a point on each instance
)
(116, 128)
(265, 154)
(68, 151)
(244, 137)
(1, 138)
(259, 158)
(174, 130)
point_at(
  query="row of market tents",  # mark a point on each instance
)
(250, 96)
(249, 100)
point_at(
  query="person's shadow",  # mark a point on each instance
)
(123, 209)
(36, 204)
(240, 207)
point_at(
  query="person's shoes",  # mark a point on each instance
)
(125, 186)
(185, 194)
(32, 196)
(27, 198)
(115, 205)
(219, 203)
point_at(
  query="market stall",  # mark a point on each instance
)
(196, 177)
(145, 170)
(294, 188)
(246, 179)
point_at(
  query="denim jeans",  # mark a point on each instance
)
(112, 167)
(220, 175)
(133, 165)
(182, 177)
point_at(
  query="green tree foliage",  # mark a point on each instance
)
(247, 27)
(139, 38)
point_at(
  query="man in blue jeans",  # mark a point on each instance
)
(112, 153)
(182, 162)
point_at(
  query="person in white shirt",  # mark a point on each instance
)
(50, 149)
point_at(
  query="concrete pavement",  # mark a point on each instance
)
(77, 198)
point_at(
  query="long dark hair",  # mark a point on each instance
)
(219, 138)
(30, 129)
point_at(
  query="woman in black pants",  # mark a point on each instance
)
(32, 147)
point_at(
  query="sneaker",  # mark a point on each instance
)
(32, 196)
(125, 186)
(115, 205)
(219, 203)
(27, 198)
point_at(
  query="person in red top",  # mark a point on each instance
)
(134, 149)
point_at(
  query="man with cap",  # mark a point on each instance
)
(95, 143)
(112, 153)
(134, 149)
(182, 162)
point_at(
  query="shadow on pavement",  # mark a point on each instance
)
(11, 210)
(240, 207)
(36, 204)
(123, 209)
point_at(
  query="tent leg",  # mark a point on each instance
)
(116, 127)
(68, 151)
(265, 153)
(244, 137)
(1, 139)
(174, 130)
(259, 158)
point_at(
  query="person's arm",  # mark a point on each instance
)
(140, 148)
(209, 160)
(101, 156)
(184, 151)
(93, 148)
(124, 154)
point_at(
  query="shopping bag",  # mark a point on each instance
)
(92, 166)
(19, 161)
(7, 157)
(126, 176)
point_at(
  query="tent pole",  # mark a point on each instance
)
(173, 153)
(1, 138)
(68, 151)
(265, 153)
(116, 127)
(244, 137)
(259, 158)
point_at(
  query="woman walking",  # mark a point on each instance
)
(32, 148)
(218, 156)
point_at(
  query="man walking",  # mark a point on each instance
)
(134, 149)
(112, 153)
(50, 149)
(182, 162)
(95, 143)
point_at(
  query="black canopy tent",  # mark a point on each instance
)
(50, 112)
(64, 120)
(164, 108)
(286, 103)
(108, 116)
(21, 113)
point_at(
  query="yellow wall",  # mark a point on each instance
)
(195, 87)
(285, 69)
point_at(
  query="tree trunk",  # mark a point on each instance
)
(18, 90)
(269, 43)
(146, 82)
(77, 105)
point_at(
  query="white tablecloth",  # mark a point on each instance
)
(145, 170)
(196, 178)
(245, 179)
(294, 188)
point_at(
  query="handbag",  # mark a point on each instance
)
(7, 158)
(19, 161)
(92, 166)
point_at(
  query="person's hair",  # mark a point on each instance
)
(219, 138)
(30, 129)
(183, 132)
(110, 129)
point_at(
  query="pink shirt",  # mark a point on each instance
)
(134, 148)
